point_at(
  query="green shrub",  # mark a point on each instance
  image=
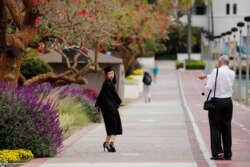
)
(90, 110)
(71, 113)
(195, 64)
(86, 97)
(75, 113)
(179, 64)
(28, 122)
(191, 64)
(34, 66)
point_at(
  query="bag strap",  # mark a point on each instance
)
(208, 95)
(214, 85)
(216, 81)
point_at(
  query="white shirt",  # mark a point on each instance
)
(224, 84)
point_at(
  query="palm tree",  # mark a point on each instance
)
(209, 4)
(188, 5)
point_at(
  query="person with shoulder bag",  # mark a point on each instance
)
(147, 80)
(220, 117)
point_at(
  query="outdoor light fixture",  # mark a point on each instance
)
(228, 32)
(234, 29)
(217, 37)
(223, 34)
(247, 20)
(240, 24)
(210, 37)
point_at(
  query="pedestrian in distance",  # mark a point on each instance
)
(155, 72)
(220, 117)
(147, 80)
(108, 103)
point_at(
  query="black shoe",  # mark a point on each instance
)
(106, 146)
(112, 147)
(218, 157)
(227, 158)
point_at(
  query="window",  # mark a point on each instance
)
(200, 10)
(234, 8)
(227, 8)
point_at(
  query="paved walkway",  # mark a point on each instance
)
(171, 131)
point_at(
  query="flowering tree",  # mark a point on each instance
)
(78, 23)
(90, 24)
(141, 25)
(52, 25)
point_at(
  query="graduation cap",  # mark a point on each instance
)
(108, 69)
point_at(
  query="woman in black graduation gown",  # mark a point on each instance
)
(108, 103)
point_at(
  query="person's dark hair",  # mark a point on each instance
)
(114, 79)
(108, 69)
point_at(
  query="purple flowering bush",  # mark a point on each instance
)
(30, 117)
(78, 91)
(28, 122)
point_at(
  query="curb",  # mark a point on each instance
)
(66, 143)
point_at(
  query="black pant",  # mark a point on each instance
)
(220, 127)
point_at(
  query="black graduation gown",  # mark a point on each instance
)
(109, 102)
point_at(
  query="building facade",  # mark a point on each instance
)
(226, 15)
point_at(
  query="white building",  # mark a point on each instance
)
(226, 14)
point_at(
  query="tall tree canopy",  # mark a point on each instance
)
(132, 27)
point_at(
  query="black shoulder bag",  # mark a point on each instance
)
(210, 104)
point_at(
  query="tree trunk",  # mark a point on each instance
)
(128, 61)
(10, 68)
(212, 17)
(12, 46)
(189, 38)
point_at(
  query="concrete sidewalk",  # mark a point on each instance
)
(170, 131)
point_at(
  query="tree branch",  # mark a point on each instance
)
(32, 12)
(15, 12)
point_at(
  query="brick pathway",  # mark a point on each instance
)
(191, 89)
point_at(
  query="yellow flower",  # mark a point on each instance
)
(138, 72)
(14, 156)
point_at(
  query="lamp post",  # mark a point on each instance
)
(240, 25)
(217, 45)
(223, 42)
(247, 20)
(234, 30)
(228, 39)
(209, 53)
(228, 33)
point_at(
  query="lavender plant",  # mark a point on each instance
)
(28, 122)
(78, 91)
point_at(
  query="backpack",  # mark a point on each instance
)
(147, 79)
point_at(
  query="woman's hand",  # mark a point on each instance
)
(98, 109)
